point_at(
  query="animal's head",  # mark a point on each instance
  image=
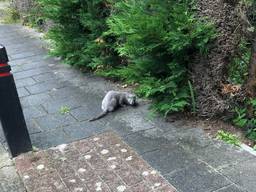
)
(131, 99)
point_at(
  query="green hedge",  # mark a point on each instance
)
(149, 43)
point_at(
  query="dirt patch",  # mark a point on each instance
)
(211, 127)
(209, 72)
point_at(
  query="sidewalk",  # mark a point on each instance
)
(9, 179)
(184, 155)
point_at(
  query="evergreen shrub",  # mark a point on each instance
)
(150, 43)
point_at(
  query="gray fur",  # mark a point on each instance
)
(113, 100)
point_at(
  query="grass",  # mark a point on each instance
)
(64, 110)
(228, 138)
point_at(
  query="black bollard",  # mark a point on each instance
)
(11, 114)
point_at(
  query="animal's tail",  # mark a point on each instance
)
(104, 113)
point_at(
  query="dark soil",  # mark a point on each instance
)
(210, 72)
(210, 126)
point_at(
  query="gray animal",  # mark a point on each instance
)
(113, 100)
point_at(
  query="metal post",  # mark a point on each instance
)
(11, 114)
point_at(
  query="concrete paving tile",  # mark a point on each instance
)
(34, 100)
(24, 82)
(44, 86)
(220, 154)
(49, 139)
(197, 177)
(84, 129)
(31, 112)
(231, 188)
(53, 121)
(86, 112)
(45, 77)
(22, 92)
(32, 126)
(143, 143)
(9, 180)
(169, 160)
(55, 105)
(30, 73)
(243, 174)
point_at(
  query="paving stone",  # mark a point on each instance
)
(169, 160)
(32, 126)
(86, 112)
(75, 184)
(44, 86)
(31, 112)
(51, 122)
(35, 100)
(191, 139)
(135, 119)
(66, 92)
(28, 66)
(129, 176)
(45, 77)
(9, 180)
(4, 157)
(26, 55)
(24, 82)
(197, 177)
(64, 168)
(30, 73)
(55, 105)
(84, 129)
(220, 154)
(22, 92)
(243, 174)
(143, 143)
(96, 184)
(119, 127)
(231, 188)
(49, 139)
(140, 187)
(33, 59)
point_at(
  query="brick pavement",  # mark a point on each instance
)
(100, 163)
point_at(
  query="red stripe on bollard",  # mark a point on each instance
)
(5, 74)
(3, 64)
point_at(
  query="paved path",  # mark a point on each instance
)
(9, 179)
(184, 155)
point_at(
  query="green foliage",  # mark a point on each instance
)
(228, 138)
(242, 120)
(77, 31)
(64, 110)
(149, 43)
(158, 38)
(34, 17)
(238, 68)
(11, 15)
